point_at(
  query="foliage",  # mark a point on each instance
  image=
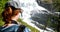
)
(2, 4)
(56, 5)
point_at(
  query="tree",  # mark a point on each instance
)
(56, 6)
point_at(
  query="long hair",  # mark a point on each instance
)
(9, 12)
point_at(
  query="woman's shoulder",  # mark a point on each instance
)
(15, 27)
(0, 27)
(9, 28)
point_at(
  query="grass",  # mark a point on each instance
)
(30, 27)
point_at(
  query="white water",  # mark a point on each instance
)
(32, 9)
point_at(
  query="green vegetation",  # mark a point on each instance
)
(56, 6)
(2, 4)
(56, 21)
(30, 27)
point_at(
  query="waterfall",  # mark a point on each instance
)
(33, 14)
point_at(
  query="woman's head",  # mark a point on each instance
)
(11, 10)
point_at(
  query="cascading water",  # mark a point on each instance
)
(33, 14)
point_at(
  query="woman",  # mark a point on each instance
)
(10, 16)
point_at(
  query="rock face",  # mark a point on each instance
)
(46, 4)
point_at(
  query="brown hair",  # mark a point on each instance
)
(9, 12)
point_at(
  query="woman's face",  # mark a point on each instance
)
(17, 16)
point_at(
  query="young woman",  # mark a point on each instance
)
(10, 16)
